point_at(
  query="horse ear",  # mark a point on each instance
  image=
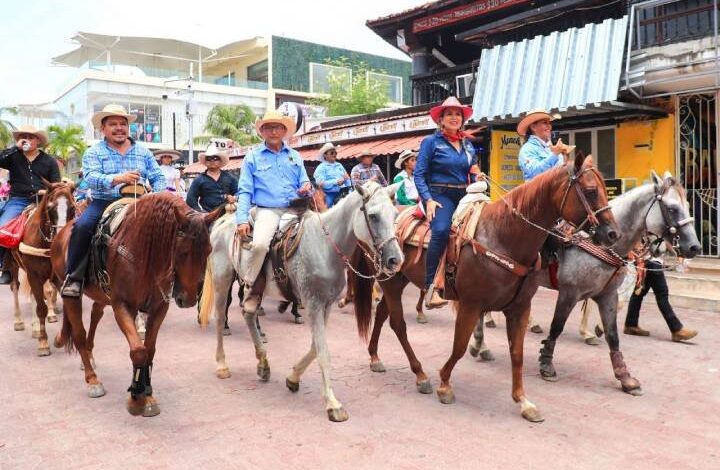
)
(579, 159)
(211, 217)
(669, 178)
(359, 188)
(657, 181)
(392, 189)
(181, 215)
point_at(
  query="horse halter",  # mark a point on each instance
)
(574, 178)
(672, 227)
(377, 245)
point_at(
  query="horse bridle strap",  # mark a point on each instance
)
(671, 226)
(503, 261)
(377, 245)
(574, 178)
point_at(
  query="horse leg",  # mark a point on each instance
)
(467, 316)
(40, 312)
(489, 321)
(140, 325)
(73, 314)
(50, 296)
(478, 346)
(15, 289)
(125, 318)
(517, 322)
(608, 314)
(421, 318)
(263, 366)
(154, 321)
(381, 314)
(221, 284)
(397, 323)
(96, 315)
(35, 322)
(297, 318)
(586, 334)
(563, 307)
(335, 410)
(349, 290)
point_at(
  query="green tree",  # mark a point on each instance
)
(356, 95)
(66, 143)
(236, 122)
(6, 128)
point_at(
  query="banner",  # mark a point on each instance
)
(461, 13)
(504, 169)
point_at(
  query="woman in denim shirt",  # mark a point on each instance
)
(441, 176)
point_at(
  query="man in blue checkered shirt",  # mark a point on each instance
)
(108, 165)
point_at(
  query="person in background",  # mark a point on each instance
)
(330, 175)
(407, 194)
(28, 165)
(366, 170)
(165, 159)
(214, 187)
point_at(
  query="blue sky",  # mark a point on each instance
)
(34, 31)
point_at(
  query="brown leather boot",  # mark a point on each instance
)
(683, 334)
(635, 331)
(433, 299)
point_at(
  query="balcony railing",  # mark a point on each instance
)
(664, 22)
(434, 87)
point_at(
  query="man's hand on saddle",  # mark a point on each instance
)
(242, 231)
(305, 189)
(230, 199)
(129, 177)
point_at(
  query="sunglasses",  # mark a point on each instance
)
(212, 159)
(331, 152)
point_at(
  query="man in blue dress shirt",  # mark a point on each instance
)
(272, 176)
(111, 163)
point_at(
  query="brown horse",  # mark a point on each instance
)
(515, 229)
(158, 253)
(54, 209)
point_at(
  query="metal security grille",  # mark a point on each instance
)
(697, 140)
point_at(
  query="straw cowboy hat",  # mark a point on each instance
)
(366, 153)
(276, 117)
(213, 151)
(111, 110)
(533, 116)
(404, 155)
(325, 148)
(452, 102)
(175, 154)
(27, 129)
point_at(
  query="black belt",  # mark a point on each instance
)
(448, 185)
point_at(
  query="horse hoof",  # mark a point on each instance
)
(592, 341)
(151, 408)
(263, 371)
(19, 326)
(421, 318)
(299, 320)
(425, 387)
(632, 387)
(96, 390)
(59, 341)
(487, 356)
(549, 376)
(473, 350)
(42, 352)
(36, 334)
(377, 367)
(223, 373)
(337, 415)
(136, 406)
(636, 392)
(490, 324)
(446, 396)
(282, 307)
(52, 319)
(537, 329)
(599, 331)
(342, 303)
(532, 415)
(226, 332)
(292, 386)
(260, 312)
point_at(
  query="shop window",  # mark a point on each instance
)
(148, 125)
(391, 84)
(600, 143)
(324, 77)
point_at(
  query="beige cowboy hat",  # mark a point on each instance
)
(111, 110)
(452, 102)
(533, 116)
(27, 129)
(404, 155)
(325, 148)
(175, 154)
(278, 118)
(213, 151)
(366, 153)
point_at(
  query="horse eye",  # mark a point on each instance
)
(591, 194)
(672, 210)
(374, 217)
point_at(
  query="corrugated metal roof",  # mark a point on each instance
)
(565, 69)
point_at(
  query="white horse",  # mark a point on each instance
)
(316, 272)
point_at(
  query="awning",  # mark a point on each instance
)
(577, 69)
(380, 147)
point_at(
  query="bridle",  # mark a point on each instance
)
(53, 228)
(574, 178)
(672, 227)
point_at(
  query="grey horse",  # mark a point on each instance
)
(658, 208)
(316, 272)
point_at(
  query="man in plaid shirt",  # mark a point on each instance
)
(366, 170)
(107, 166)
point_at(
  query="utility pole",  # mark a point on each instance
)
(189, 108)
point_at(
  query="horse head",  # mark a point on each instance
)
(374, 224)
(585, 200)
(669, 216)
(192, 248)
(58, 204)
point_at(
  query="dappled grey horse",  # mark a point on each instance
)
(316, 272)
(658, 208)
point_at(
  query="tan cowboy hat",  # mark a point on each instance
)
(111, 110)
(213, 151)
(175, 154)
(325, 148)
(27, 129)
(533, 116)
(404, 155)
(366, 153)
(278, 118)
(452, 102)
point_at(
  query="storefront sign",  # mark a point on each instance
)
(504, 150)
(614, 188)
(461, 13)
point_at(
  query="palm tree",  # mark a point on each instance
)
(6, 128)
(66, 142)
(234, 122)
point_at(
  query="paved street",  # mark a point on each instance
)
(48, 421)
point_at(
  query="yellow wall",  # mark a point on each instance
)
(642, 146)
(504, 169)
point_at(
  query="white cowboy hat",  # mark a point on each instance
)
(28, 129)
(213, 151)
(278, 118)
(111, 110)
(325, 148)
(175, 154)
(404, 155)
(533, 116)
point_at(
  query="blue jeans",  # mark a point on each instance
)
(440, 227)
(12, 209)
(82, 233)
(331, 198)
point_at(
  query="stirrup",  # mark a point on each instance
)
(428, 299)
(71, 288)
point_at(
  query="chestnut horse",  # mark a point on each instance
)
(514, 228)
(158, 253)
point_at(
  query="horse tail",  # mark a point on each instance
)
(207, 300)
(363, 289)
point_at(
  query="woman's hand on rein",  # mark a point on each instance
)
(430, 207)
